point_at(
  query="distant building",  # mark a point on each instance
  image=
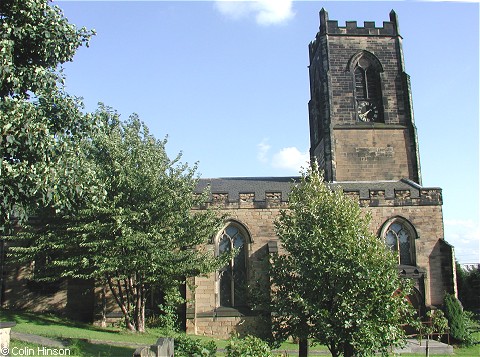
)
(470, 266)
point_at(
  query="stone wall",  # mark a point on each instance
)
(23, 293)
(363, 153)
(384, 201)
(71, 297)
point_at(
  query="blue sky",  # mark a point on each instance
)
(228, 83)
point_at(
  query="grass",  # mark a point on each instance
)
(78, 348)
(49, 325)
(87, 340)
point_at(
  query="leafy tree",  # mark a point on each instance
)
(41, 127)
(468, 287)
(143, 235)
(337, 285)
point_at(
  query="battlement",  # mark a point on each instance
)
(389, 28)
(351, 28)
(235, 193)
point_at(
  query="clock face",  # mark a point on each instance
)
(367, 111)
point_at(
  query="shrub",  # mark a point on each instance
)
(458, 321)
(186, 346)
(249, 346)
(438, 323)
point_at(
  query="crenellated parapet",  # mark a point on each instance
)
(391, 193)
(248, 193)
(351, 28)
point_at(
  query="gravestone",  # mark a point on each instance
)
(164, 347)
(5, 328)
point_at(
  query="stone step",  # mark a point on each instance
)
(434, 347)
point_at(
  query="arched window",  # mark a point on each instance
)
(232, 278)
(399, 236)
(368, 93)
(367, 80)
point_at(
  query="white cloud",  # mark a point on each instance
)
(263, 149)
(464, 235)
(266, 12)
(291, 159)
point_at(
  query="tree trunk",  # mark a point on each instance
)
(140, 308)
(427, 352)
(121, 303)
(348, 350)
(303, 347)
(333, 349)
(104, 306)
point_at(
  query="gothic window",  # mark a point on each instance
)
(232, 278)
(400, 237)
(367, 80)
(368, 94)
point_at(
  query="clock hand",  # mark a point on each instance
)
(363, 116)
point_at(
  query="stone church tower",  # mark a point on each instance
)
(363, 135)
(361, 116)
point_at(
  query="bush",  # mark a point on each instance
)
(468, 287)
(249, 346)
(186, 346)
(438, 323)
(458, 321)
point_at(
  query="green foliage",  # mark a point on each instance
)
(143, 235)
(186, 346)
(459, 322)
(250, 346)
(166, 316)
(35, 39)
(41, 127)
(338, 285)
(468, 287)
(454, 314)
(437, 324)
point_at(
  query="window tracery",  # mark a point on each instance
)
(232, 278)
(400, 237)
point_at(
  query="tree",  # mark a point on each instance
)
(143, 235)
(468, 287)
(337, 284)
(41, 126)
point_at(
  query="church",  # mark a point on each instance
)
(363, 136)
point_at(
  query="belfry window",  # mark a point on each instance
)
(368, 93)
(232, 278)
(399, 237)
(367, 83)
